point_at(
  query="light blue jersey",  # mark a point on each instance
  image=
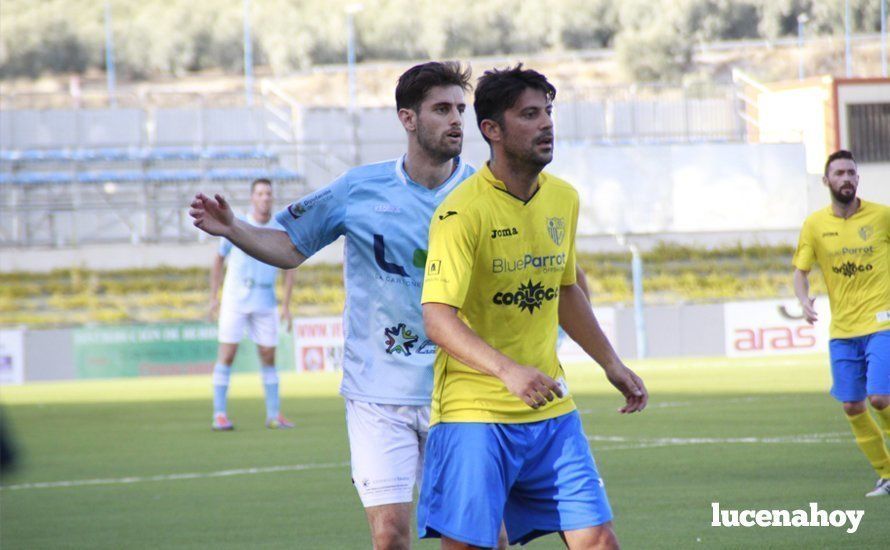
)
(249, 284)
(385, 217)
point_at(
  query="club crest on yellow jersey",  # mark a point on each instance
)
(556, 227)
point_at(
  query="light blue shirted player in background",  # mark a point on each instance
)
(248, 302)
(383, 210)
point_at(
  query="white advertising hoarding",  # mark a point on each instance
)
(12, 356)
(570, 352)
(318, 344)
(774, 327)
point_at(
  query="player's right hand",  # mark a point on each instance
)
(809, 310)
(213, 310)
(212, 215)
(534, 387)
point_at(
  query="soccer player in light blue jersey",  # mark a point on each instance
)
(383, 210)
(248, 302)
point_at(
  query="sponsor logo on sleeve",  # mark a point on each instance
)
(434, 268)
(299, 208)
(447, 215)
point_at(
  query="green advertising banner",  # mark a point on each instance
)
(162, 350)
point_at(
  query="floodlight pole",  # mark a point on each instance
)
(351, 10)
(884, 38)
(110, 77)
(639, 319)
(636, 268)
(248, 57)
(848, 51)
(801, 22)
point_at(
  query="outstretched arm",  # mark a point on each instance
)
(271, 246)
(577, 319)
(216, 272)
(802, 291)
(286, 315)
(443, 327)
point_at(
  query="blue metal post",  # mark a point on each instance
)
(639, 319)
(351, 10)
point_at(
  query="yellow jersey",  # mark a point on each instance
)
(854, 256)
(501, 261)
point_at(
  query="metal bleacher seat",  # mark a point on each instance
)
(239, 174)
(109, 154)
(102, 176)
(184, 175)
(89, 165)
(172, 153)
(30, 178)
(154, 176)
(237, 153)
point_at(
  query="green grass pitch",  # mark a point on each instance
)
(133, 463)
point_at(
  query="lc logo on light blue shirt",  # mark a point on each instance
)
(384, 217)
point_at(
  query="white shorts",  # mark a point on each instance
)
(263, 326)
(386, 448)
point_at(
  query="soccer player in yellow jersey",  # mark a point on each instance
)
(506, 442)
(850, 240)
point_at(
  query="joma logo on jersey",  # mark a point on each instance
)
(849, 269)
(529, 296)
(505, 232)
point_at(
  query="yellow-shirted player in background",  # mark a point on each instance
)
(506, 442)
(850, 240)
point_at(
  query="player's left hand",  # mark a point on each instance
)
(287, 317)
(631, 386)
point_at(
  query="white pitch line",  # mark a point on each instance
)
(173, 477)
(646, 443)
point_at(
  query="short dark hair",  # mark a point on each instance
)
(416, 82)
(840, 154)
(498, 89)
(260, 181)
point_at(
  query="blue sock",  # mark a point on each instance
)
(270, 382)
(220, 387)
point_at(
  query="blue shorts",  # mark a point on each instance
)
(860, 366)
(537, 478)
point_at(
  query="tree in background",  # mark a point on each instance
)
(654, 39)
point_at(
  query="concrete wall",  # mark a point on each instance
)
(49, 355)
(672, 331)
